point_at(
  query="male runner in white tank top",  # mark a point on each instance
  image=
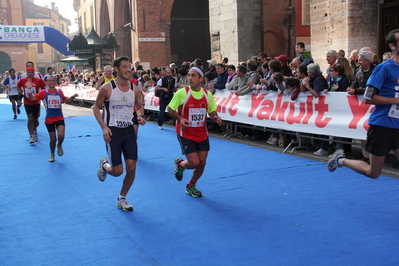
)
(119, 98)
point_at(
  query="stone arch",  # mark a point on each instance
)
(189, 30)
(5, 62)
(274, 43)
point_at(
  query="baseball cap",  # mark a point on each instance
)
(30, 69)
(282, 58)
(212, 62)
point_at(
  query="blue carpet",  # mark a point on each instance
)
(259, 207)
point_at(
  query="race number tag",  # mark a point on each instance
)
(31, 90)
(394, 111)
(196, 117)
(53, 101)
(123, 120)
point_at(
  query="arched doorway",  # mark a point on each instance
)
(389, 10)
(5, 62)
(189, 31)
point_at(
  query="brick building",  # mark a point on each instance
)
(164, 31)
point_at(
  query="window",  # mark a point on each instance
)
(37, 23)
(305, 13)
(40, 49)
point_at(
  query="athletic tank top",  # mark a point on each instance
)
(12, 82)
(53, 104)
(118, 110)
(196, 112)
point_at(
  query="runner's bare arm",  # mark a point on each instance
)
(103, 94)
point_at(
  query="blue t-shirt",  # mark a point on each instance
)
(385, 78)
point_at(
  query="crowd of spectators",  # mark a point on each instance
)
(259, 73)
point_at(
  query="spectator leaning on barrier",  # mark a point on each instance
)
(262, 58)
(251, 81)
(238, 79)
(331, 58)
(222, 76)
(316, 85)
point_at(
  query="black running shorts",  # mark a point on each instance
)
(33, 109)
(189, 146)
(380, 140)
(123, 141)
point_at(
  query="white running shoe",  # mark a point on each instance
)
(320, 152)
(101, 173)
(32, 139)
(333, 164)
(60, 151)
(160, 127)
(51, 159)
(123, 204)
(36, 138)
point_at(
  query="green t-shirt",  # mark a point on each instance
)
(180, 96)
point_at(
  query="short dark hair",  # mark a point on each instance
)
(226, 60)
(220, 65)
(232, 67)
(198, 62)
(117, 61)
(49, 68)
(292, 82)
(262, 54)
(391, 38)
(11, 69)
(29, 62)
(300, 44)
(210, 75)
(242, 69)
(182, 71)
(155, 70)
(303, 69)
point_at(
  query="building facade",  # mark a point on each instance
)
(46, 56)
(160, 32)
(12, 55)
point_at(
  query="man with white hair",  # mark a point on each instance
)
(106, 77)
(331, 58)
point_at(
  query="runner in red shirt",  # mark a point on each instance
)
(32, 108)
(53, 99)
(190, 107)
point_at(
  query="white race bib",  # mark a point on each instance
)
(123, 120)
(197, 117)
(53, 101)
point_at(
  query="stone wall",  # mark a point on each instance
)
(344, 24)
(235, 27)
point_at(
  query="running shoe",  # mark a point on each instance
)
(60, 151)
(178, 172)
(18, 110)
(320, 152)
(32, 139)
(333, 164)
(101, 173)
(123, 204)
(51, 159)
(35, 137)
(192, 191)
(160, 127)
(15, 116)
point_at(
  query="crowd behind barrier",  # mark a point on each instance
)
(332, 114)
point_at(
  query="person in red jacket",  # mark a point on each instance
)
(30, 84)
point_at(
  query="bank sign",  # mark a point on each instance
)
(13, 33)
